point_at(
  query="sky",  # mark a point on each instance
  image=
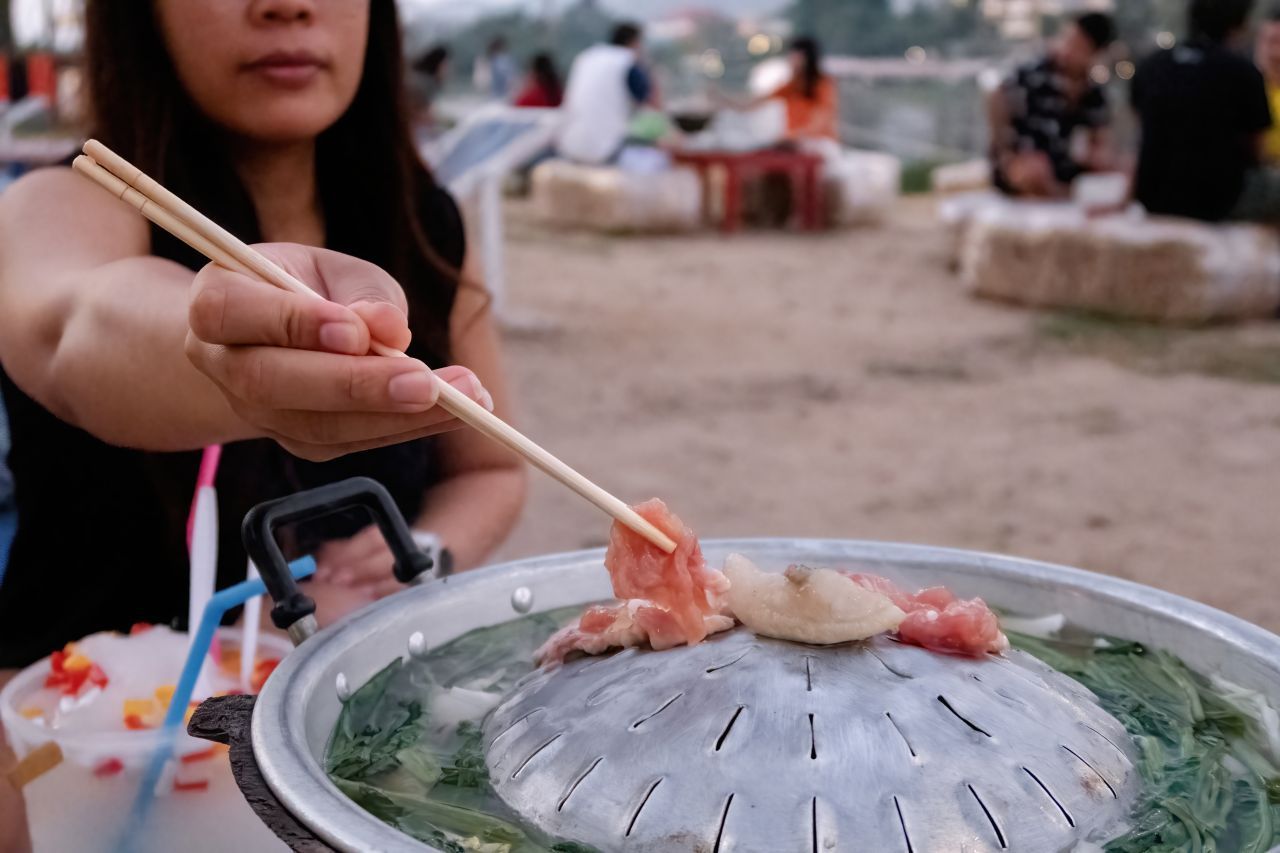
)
(637, 8)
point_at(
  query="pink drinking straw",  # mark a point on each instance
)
(209, 460)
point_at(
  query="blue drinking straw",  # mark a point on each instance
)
(222, 601)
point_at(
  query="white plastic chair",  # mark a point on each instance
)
(474, 159)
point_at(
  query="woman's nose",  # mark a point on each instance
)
(282, 11)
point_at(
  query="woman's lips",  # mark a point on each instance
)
(289, 70)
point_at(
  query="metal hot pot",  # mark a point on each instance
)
(957, 764)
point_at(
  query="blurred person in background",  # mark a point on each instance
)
(1049, 120)
(426, 81)
(542, 86)
(495, 71)
(607, 83)
(1268, 60)
(1204, 113)
(810, 96)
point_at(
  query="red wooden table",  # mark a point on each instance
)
(802, 169)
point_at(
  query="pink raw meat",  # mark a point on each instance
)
(937, 620)
(634, 623)
(680, 583)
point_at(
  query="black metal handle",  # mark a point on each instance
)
(261, 523)
(228, 720)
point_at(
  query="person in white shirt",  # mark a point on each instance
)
(606, 84)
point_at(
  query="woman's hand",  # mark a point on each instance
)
(297, 369)
(363, 563)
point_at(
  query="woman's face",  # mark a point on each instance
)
(268, 70)
(796, 57)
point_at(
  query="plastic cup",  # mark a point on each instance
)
(84, 803)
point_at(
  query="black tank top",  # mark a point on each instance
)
(101, 539)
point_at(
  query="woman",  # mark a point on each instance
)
(123, 353)
(810, 96)
(542, 87)
(430, 73)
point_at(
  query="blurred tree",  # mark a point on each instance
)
(6, 28)
(871, 28)
(575, 28)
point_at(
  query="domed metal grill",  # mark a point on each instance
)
(744, 744)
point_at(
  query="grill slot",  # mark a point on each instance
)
(577, 782)
(1070, 820)
(986, 811)
(724, 818)
(902, 822)
(808, 673)
(728, 663)
(1109, 741)
(511, 727)
(665, 705)
(729, 727)
(1094, 769)
(647, 794)
(814, 813)
(813, 740)
(962, 718)
(534, 754)
(911, 749)
(903, 675)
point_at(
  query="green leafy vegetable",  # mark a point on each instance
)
(467, 768)
(428, 778)
(373, 729)
(1208, 788)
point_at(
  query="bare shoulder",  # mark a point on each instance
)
(56, 205)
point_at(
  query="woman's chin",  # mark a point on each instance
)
(281, 123)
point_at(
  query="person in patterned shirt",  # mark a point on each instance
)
(1049, 120)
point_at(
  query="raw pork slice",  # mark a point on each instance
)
(634, 623)
(680, 583)
(817, 606)
(937, 620)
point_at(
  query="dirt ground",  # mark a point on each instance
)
(844, 385)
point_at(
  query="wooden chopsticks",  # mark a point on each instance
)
(128, 183)
(38, 762)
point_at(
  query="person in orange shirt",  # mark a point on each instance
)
(810, 95)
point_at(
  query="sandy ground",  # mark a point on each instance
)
(844, 385)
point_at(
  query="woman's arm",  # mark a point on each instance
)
(140, 352)
(92, 327)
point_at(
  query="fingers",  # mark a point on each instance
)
(359, 299)
(324, 452)
(368, 291)
(385, 323)
(337, 558)
(290, 379)
(234, 310)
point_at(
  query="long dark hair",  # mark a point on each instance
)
(812, 75)
(370, 181)
(543, 68)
